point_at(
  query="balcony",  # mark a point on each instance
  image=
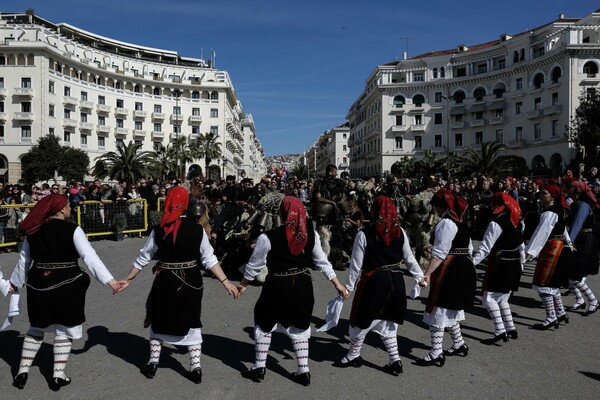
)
(26, 140)
(195, 118)
(514, 144)
(86, 105)
(86, 126)
(121, 132)
(417, 128)
(177, 118)
(70, 100)
(158, 134)
(102, 108)
(103, 129)
(457, 125)
(535, 113)
(69, 123)
(158, 116)
(397, 111)
(139, 114)
(477, 122)
(498, 120)
(555, 109)
(3, 116)
(139, 133)
(23, 116)
(399, 128)
(26, 92)
(121, 111)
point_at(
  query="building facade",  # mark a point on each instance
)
(93, 92)
(330, 148)
(520, 90)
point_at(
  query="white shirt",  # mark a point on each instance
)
(445, 231)
(492, 233)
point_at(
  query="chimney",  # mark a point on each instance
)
(561, 16)
(404, 55)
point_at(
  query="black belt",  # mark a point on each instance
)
(56, 265)
(390, 267)
(177, 265)
(587, 230)
(293, 271)
(557, 237)
(459, 252)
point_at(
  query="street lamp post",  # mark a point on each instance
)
(177, 94)
(224, 166)
(447, 98)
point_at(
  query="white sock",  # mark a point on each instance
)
(437, 338)
(195, 351)
(31, 345)
(456, 335)
(263, 342)
(548, 301)
(62, 350)
(507, 316)
(155, 348)
(391, 345)
(301, 350)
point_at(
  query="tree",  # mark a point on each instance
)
(490, 161)
(584, 127)
(207, 147)
(162, 162)
(299, 170)
(182, 154)
(126, 164)
(47, 156)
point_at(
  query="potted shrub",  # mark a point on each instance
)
(118, 226)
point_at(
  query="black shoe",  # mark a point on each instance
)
(355, 362)
(394, 368)
(592, 308)
(195, 375)
(57, 383)
(577, 306)
(545, 327)
(563, 318)
(256, 375)
(149, 370)
(463, 349)
(428, 361)
(512, 334)
(303, 379)
(20, 380)
(503, 336)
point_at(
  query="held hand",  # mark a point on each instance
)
(114, 285)
(425, 281)
(231, 289)
(241, 289)
(346, 295)
(124, 284)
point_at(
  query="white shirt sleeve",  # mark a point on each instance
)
(409, 259)
(207, 252)
(19, 275)
(541, 234)
(320, 259)
(90, 257)
(356, 262)
(146, 253)
(445, 231)
(258, 259)
(492, 233)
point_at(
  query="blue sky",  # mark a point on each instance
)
(297, 66)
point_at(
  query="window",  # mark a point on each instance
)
(478, 137)
(101, 100)
(398, 141)
(442, 72)
(519, 84)
(195, 129)
(139, 106)
(478, 115)
(344, 136)
(418, 142)
(51, 86)
(51, 131)
(437, 118)
(67, 113)
(418, 119)
(500, 135)
(84, 96)
(196, 111)
(120, 103)
(157, 127)
(67, 91)
(2, 133)
(156, 146)
(214, 96)
(462, 71)
(138, 143)
(138, 125)
(399, 121)
(458, 118)
(83, 140)
(156, 90)
(26, 106)
(481, 68)
(418, 100)
(214, 130)
(419, 77)
(214, 113)
(590, 69)
(67, 137)
(519, 133)
(101, 120)
(502, 64)
(120, 142)
(435, 73)
(555, 99)
(119, 123)
(83, 117)
(195, 94)
(479, 93)
(519, 108)
(554, 128)
(177, 110)
(439, 97)
(26, 83)
(437, 140)
(537, 103)
(101, 142)
(177, 129)
(1, 106)
(344, 148)
(458, 142)
(537, 131)
(157, 108)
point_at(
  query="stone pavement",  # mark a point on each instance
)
(104, 364)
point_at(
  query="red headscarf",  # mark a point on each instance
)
(539, 182)
(557, 195)
(456, 206)
(175, 205)
(585, 193)
(387, 222)
(502, 201)
(568, 180)
(42, 211)
(294, 213)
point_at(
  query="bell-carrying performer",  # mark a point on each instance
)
(56, 284)
(174, 304)
(287, 299)
(550, 243)
(503, 243)
(380, 301)
(451, 277)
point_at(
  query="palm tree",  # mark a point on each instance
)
(490, 161)
(162, 162)
(182, 154)
(300, 170)
(207, 147)
(126, 164)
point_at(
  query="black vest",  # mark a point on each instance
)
(462, 238)
(511, 237)
(559, 228)
(53, 242)
(377, 254)
(280, 258)
(186, 247)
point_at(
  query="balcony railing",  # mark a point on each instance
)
(23, 92)
(477, 122)
(457, 125)
(103, 108)
(534, 113)
(70, 100)
(121, 131)
(497, 120)
(139, 133)
(399, 128)
(69, 123)
(2, 116)
(103, 129)
(157, 115)
(195, 118)
(86, 126)
(555, 109)
(121, 111)
(158, 134)
(88, 105)
(139, 114)
(24, 116)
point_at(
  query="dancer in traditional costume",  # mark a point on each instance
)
(380, 301)
(451, 277)
(503, 243)
(550, 243)
(585, 259)
(174, 305)
(286, 301)
(56, 284)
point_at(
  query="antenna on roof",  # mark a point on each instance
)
(405, 52)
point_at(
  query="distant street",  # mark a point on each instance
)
(555, 364)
